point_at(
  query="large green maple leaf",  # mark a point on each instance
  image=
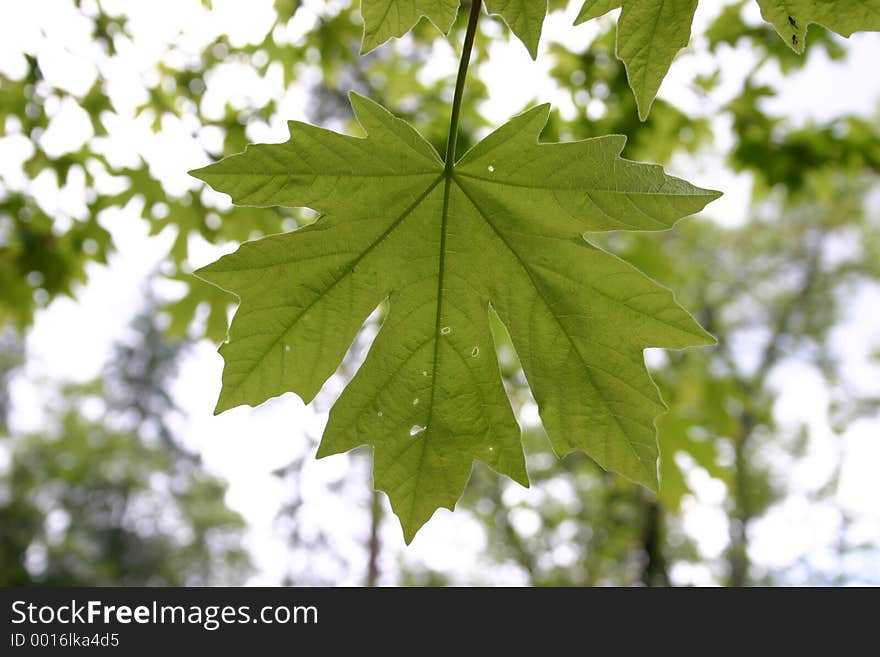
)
(651, 32)
(500, 230)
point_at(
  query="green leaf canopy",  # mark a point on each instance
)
(501, 230)
(650, 32)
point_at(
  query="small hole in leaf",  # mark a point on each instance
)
(380, 414)
(416, 401)
(287, 347)
(491, 168)
(475, 352)
(445, 330)
(415, 430)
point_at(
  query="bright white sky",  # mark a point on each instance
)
(71, 339)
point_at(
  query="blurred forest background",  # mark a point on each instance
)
(766, 451)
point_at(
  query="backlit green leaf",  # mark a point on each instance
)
(649, 35)
(651, 32)
(791, 18)
(524, 17)
(501, 230)
(384, 19)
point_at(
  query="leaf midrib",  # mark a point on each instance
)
(438, 311)
(436, 356)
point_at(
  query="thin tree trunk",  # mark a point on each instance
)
(374, 544)
(655, 571)
(743, 511)
(737, 554)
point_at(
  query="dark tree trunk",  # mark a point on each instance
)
(374, 544)
(655, 571)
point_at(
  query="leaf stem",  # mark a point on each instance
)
(476, 6)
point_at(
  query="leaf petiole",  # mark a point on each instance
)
(467, 48)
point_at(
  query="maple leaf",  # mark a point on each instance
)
(500, 230)
(525, 18)
(791, 18)
(649, 35)
(385, 19)
(651, 32)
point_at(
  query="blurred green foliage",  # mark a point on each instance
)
(106, 496)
